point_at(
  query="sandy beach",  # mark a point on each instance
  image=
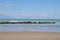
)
(29, 36)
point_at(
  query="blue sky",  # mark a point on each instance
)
(30, 9)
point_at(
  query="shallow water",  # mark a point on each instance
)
(30, 27)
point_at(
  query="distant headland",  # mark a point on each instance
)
(30, 21)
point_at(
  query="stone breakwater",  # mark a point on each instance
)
(29, 22)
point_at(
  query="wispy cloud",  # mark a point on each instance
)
(1, 12)
(7, 4)
(4, 14)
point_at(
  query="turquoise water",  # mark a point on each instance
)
(41, 20)
(30, 27)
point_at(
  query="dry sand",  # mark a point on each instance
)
(29, 36)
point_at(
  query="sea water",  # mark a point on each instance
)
(29, 27)
(41, 20)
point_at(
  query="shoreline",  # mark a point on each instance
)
(29, 36)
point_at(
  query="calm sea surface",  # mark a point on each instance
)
(41, 20)
(30, 27)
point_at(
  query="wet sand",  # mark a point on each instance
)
(29, 36)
